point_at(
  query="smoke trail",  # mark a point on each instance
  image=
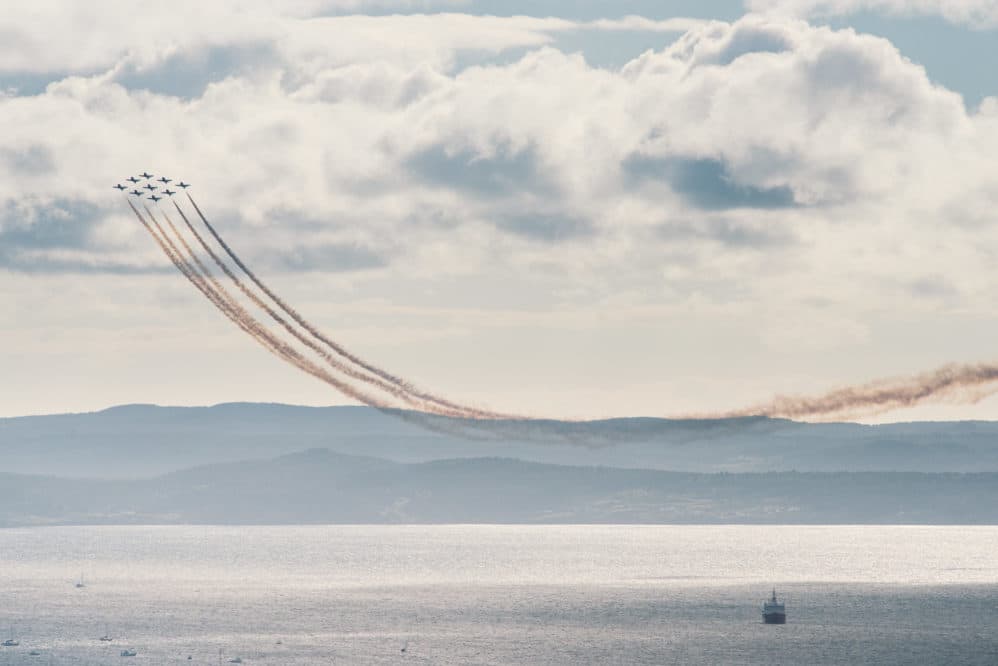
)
(224, 302)
(183, 267)
(455, 409)
(247, 322)
(288, 309)
(958, 383)
(392, 389)
(227, 304)
(199, 275)
(218, 298)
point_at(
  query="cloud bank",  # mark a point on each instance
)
(787, 176)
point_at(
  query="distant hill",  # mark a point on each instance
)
(145, 440)
(320, 486)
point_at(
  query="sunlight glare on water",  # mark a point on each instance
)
(500, 594)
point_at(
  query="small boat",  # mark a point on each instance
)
(128, 653)
(235, 660)
(10, 642)
(34, 653)
(773, 611)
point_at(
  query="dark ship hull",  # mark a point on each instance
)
(773, 611)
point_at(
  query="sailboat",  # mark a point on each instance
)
(80, 582)
(106, 638)
(10, 642)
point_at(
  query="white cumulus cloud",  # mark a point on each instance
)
(746, 180)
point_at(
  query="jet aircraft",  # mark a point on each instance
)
(133, 179)
(154, 197)
(164, 180)
(145, 175)
(183, 185)
(168, 192)
(119, 186)
(135, 193)
(150, 187)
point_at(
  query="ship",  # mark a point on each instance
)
(773, 611)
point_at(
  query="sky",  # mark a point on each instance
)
(559, 208)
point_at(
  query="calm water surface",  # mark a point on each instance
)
(500, 594)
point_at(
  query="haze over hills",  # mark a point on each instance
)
(320, 486)
(268, 463)
(145, 440)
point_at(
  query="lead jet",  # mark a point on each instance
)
(135, 193)
(145, 175)
(119, 186)
(154, 197)
(168, 192)
(164, 180)
(150, 187)
(133, 179)
(183, 185)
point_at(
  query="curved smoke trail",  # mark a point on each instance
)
(247, 322)
(954, 383)
(389, 388)
(437, 418)
(452, 408)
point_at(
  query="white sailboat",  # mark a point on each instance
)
(10, 642)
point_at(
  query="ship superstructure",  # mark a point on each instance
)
(773, 611)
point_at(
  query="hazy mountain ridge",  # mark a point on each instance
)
(146, 440)
(320, 486)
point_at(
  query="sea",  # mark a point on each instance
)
(499, 594)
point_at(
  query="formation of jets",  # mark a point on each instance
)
(151, 189)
